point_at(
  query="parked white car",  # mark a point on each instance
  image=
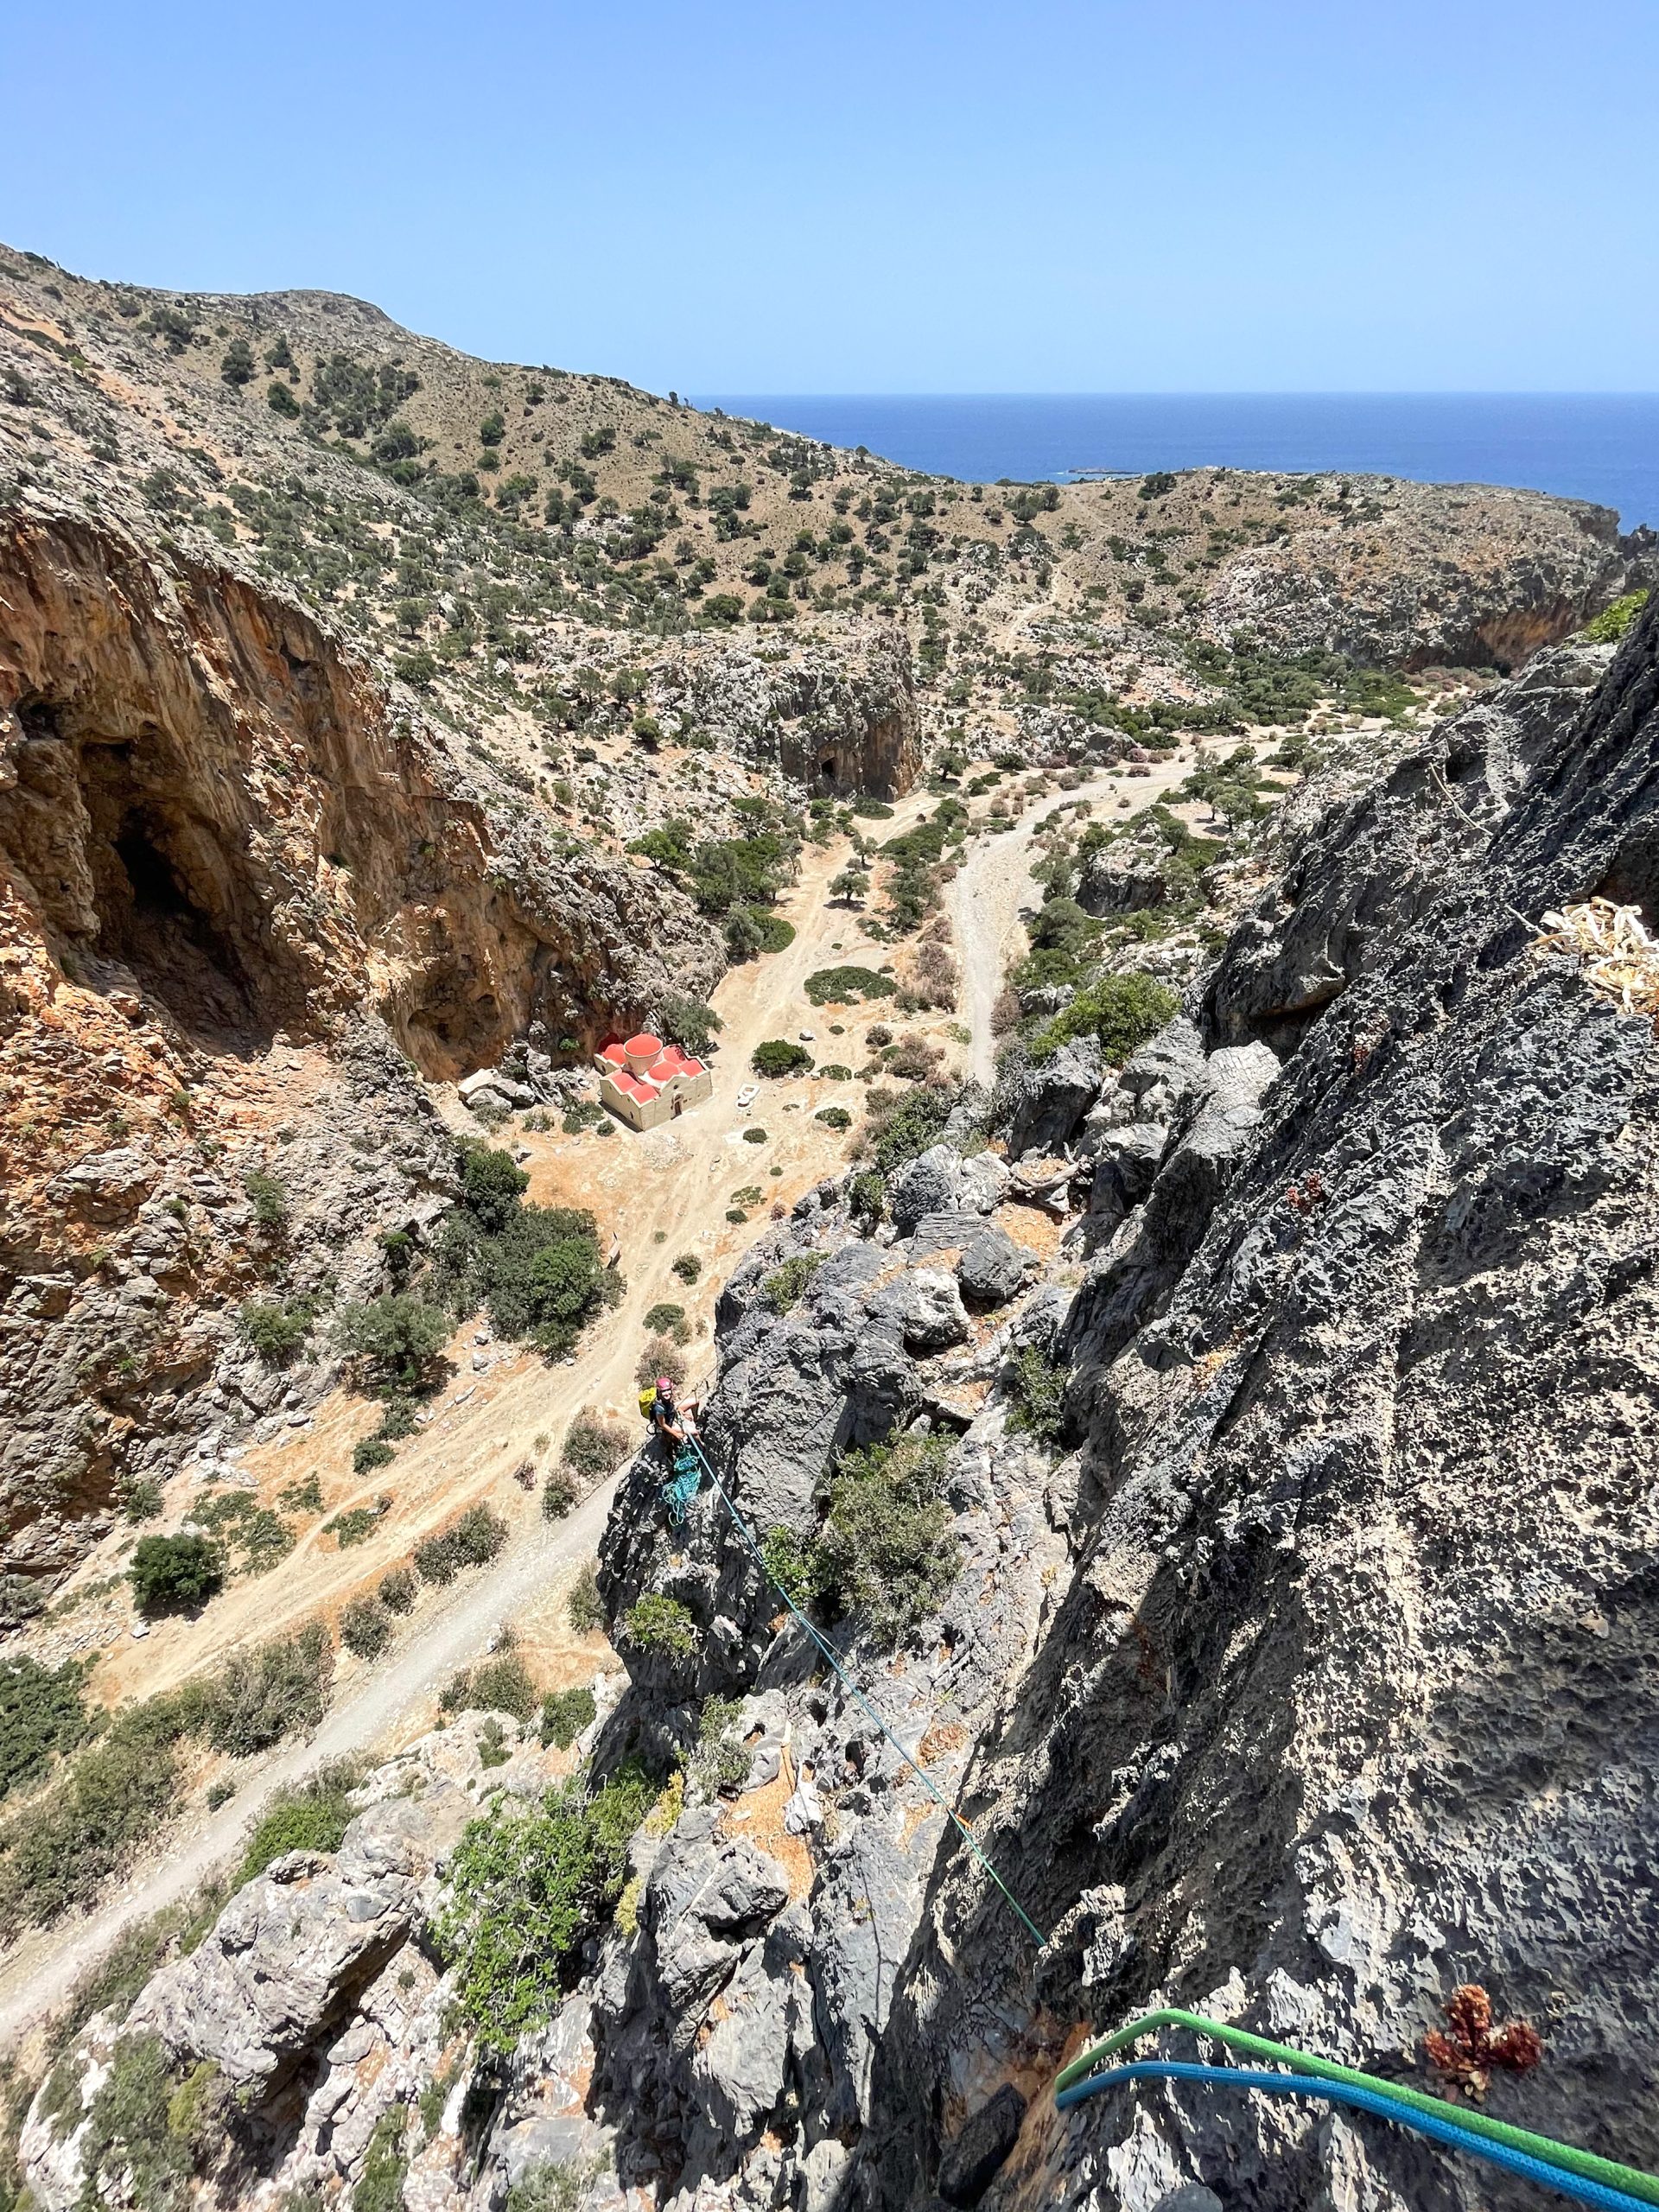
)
(747, 1096)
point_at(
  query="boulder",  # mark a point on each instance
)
(927, 1307)
(927, 1186)
(993, 1268)
(1053, 1095)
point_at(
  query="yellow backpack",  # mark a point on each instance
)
(648, 1402)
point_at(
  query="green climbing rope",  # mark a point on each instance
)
(1608, 2171)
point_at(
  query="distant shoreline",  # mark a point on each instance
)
(1602, 447)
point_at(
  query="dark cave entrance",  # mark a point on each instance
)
(827, 769)
(162, 899)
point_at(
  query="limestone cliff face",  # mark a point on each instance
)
(241, 887)
(837, 722)
(208, 799)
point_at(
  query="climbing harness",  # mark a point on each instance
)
(1579, 2174)
(859, 1698)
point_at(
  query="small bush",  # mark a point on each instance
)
(778, 1056)
(690, 1024)
(364, 1627)
(260, 1696)
(174, 1574)
(380, 2185)
(526, 1884)
(755, 1136)
(594, 1446)
(314, 1816)
(887, 1551)
(794, 1565)
(1123, 1011)
(475, 1539)
(848, 986)
(558, 1496)
(720, 1766)
(397, 1337)
(667, 1319)
(660, 1357)
(370, 1453)
(565, 1713)
(42, 1714)
(899, 1126)
(1613, 622)
(867, 1197)
(834, 1117)
(277, 1332)
(1039, 1395)
(583, 1608)
(783, 1287)
(270, 1199)
(661, 1624)
(397, 1590)
(688, 1267)
(498, 1685)
(353, 1528)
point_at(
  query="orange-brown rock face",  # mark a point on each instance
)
(234, 879)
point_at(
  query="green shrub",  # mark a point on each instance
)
(661, 1624)
(755, 1136)
(499, 1684)
(688, 1267)
(565, 1713)
(720, 1766)
(834, 1117)
(867, 1196)
(1123, 1011)
(277, 1330)
(386, 2162)
(794, 1565)
(269, 1197)
(901, 1125)
(398, 1590)
(778, 1056)
(42, 1716)
(64, 1850)
(474, 1539)
(848, 986)
(260, 1696)
(666, 1319)
(526, 1884)
(583, 1607)
(558, 1496)
(398, 1336)
(783, 1287)
(539, 1268)
(173, 1574)
(1614, 621)
(355, 1527)
(888, 1552)
(150, 2128)
(236, 1521)
(690, 1024)
(1038, 1388)
(364, 1627)
(313, 1816)
(594, 1446)
(368, 1454)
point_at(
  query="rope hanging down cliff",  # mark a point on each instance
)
(1605, 2184)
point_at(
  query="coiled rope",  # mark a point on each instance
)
(1562, 2165)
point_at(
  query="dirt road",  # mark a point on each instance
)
(994, 882)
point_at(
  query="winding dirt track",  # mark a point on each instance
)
(673, 1184)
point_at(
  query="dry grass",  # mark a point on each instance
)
(1620, 959)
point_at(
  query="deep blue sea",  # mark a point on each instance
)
(1601, 446)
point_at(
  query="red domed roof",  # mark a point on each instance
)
(645, 1044)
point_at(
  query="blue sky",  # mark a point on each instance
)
(1034, 196)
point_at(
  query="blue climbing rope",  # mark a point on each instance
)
(1373, 2100)
(854, 1691)
(682, 1485)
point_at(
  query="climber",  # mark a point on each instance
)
(677, 1425)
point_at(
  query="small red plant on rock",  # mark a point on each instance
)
(1471, 2047)
(1304, 1196)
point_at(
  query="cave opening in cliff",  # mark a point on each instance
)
(156, 911)
(827, 769)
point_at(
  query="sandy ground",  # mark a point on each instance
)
(659, 1195)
